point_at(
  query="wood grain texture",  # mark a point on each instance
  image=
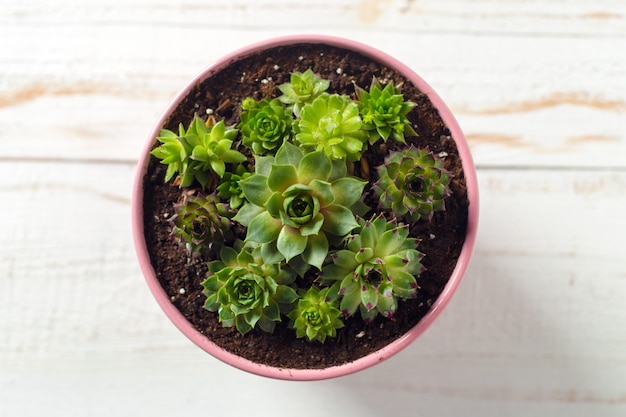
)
(538, 327)
(534, 99)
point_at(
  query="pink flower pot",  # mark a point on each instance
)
(396, 345)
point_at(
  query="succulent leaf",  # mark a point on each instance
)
(412, 183)
(282, 177)
(290, 242)
(347, 190)
(314, 166)
(256, 189)
(264, 228)
(316, 249)
(288, 154)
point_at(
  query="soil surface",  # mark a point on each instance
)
(441, 239)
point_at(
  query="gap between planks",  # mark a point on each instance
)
(479, 167)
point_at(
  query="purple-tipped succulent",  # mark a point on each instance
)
(378, 265)
(201, 223)
(412, 183)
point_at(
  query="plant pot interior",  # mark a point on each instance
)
(257, 76)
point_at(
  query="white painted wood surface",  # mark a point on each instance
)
(538, 327)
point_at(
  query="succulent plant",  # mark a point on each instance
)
(377, 266)
(198, 152)
(300, 209)
(201, 223)
(302, 89)
(229, 187)
(413, 184)
(296, 202)
(384, 112)
(246, 292)
(264, 125)
(331, 123)
(316, 316)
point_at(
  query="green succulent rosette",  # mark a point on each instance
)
(384, 111)
(316, 316)
(264, 125)
(378, 265)
(296, 202)
(198, 152)
(332, 124)
(230, 189)
(246, 292)
(302, 89)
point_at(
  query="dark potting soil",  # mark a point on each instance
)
(441, 239)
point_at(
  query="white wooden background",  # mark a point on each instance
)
(538, 327)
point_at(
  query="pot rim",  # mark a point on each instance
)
(375, 357)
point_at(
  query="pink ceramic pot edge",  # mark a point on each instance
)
(376, 357)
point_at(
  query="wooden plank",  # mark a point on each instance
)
(558, 102)
(536, 327)
(69, 279)
(535, 17)
(188, 381)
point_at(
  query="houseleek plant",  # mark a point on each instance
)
(280, 208)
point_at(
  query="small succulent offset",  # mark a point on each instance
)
(413, 183)
(285, 180)
(198, 152)
(316, 316)
(297, 201)
(246, 292)
(384, 112)
(230, 189)
(201, 223)
(378, 266)
(264, 125)
(332, 123)
(302, 89)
